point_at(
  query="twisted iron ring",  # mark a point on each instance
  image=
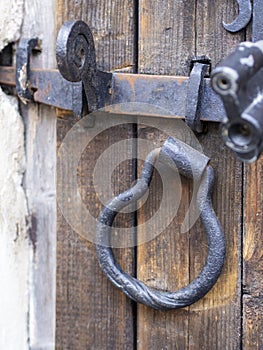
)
(175, 155)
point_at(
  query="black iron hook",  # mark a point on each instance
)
(174, 154)
(243, 18)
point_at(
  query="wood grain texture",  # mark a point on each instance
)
(253, 257)
(173, 258)
(166, 46)
(40, 184)
(212, 39)
(91, 313)
(163, 262)
(252, 251)
(166, 36)
(215, 321)
(112, 25)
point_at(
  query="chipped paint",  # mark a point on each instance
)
(13, 229)
(14, 249)
(247, 61)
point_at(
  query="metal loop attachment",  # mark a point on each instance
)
(174, 154)
(195, 93)
(23, 73)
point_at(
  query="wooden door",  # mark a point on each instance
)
(161, 37)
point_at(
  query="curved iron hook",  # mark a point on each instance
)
(136, 289)
(243, 18)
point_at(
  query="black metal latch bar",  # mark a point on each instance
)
(83, 84)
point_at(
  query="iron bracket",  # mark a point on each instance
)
(24, 88)
(195, 93)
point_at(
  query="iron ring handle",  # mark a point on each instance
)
(136, 289)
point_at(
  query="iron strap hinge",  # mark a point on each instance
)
(78, 86)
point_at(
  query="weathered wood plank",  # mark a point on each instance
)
(252, 323)
(40, 185)
(166, 36)
(253, 257)
(173, 259)
(215, 322)
(212, 39)
(166, 46)
(252, 251)
(163, 264)
(112, 25)
(91, 313)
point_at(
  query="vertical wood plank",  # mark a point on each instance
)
(212, 39)
(166, 46)
(216, 320)
(91, 313)
(253, 257)
(40, 184)
(252, 251)
(170, 34)
(166, 36)
(112, 25)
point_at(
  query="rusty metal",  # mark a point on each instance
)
(239, 81)
(49, 87)
(173, 154)
(24, 88)
(77, 62)
(78, 83)
(80, 87)
(195, 93)
(243, 18)
(166, 92)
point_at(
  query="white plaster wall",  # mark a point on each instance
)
(11, 17)
(13, 206)
(27, 193)
(13, 232)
